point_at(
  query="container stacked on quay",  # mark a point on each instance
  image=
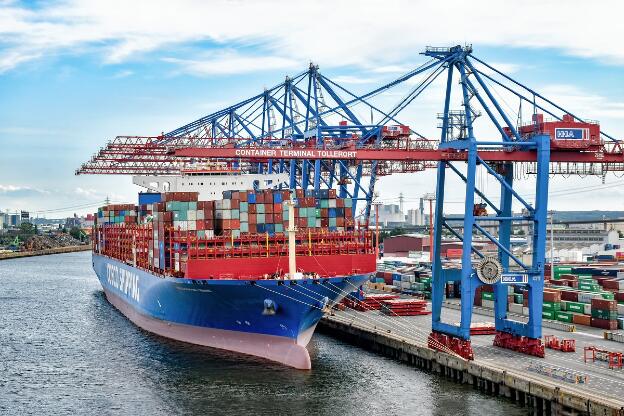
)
(252, 273)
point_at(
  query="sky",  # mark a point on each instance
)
(74, 74)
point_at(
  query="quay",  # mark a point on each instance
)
(56, 250)
(494, 371)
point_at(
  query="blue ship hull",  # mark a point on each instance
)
(273, 319)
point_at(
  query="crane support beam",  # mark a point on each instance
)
(432, 155)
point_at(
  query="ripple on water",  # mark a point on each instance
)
(65, 350)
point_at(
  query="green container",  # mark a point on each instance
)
(332, 222)
(604, 314)
(192, 206)
(548, 314)
(235, 214)
(279, 228)
(260, 209)
(348, 202)
(244, 227)
(487, 296)
(317, 212)
(324, 203)
(518, 298)
(564, 316)
(552, 306)
(260, 218)
(575, 307)
(311, 221)
(244, 206)
(589, 287)
(303, 212)
(180, 216)
(608, 295)
(425, 280)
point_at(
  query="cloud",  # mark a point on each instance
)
(231, 62)
(16, 191)
(348, 79)
(584, 103)
(352, 34)
(123, 74)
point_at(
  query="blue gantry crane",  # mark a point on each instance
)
(315, 130)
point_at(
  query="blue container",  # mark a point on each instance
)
(332, 212)
(251, 197)
(318, 203)
(227, 194)
(324, 193)
(149, 198)
(277, 198)
(309, 193)
(340, 212)
(122, 213)
(269, 228)
(261, 228)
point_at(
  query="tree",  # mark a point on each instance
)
(27, 228)
(76, 233)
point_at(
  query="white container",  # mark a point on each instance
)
(515, 308)
(487, 303)
(525, 310)
(406, 285)
(191, 215)
(587, 309)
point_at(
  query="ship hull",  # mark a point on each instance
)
(225, 314)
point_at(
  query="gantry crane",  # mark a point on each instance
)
(322, 143)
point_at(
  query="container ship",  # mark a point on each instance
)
(252, 272)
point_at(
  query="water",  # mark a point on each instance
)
(65, 350)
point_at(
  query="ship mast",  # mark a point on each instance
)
(292, 259)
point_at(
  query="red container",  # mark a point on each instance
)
(299, 193)
(332, 193)
(302, 222)
(552, 295)
(348, 212)
(260, 198)
(569, 295)
(277, 208)
(242, 196)
(268, 218)
(278, 217)
(234, 203)
(226, 224)
(235, 224)
(268, 208)
(253, 228)
(579, 319)
(235, 195)
(340, 222)
(619, 296)
(208, 224)
(324, 222)
(339, 203)
(611, 284)
(252, 219)
(251, 208)
(168, 216)
(604, 304)
(604, 323)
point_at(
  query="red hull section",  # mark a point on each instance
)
(329, 265)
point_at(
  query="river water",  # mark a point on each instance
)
(65, 350)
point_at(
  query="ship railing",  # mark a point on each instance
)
(134, 244)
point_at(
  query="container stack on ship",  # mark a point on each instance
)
(252, 272)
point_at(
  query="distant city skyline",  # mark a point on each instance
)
(74, 74)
